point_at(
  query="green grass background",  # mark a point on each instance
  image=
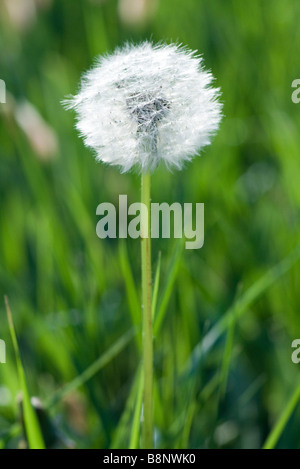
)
(226, 314)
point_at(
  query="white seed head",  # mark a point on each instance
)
(146, 104)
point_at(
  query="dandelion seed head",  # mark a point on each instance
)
(146, 104)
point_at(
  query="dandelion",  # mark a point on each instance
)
(138, 107)
(146, 104)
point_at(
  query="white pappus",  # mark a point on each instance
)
(145, 104)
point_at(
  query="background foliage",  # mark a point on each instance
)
(226, 321)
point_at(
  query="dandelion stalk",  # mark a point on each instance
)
(147, 314)
(138, 107)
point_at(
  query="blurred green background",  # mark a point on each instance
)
(229, 312)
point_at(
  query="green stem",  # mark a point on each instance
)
(147, 314)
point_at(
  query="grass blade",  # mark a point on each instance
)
(94, 368)
(156, 285)
(283, 420)
(136, 423)
(134, 302)
(171, 276)
(226, 361)
(120, 439)
(240, 307)
(31, 423)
